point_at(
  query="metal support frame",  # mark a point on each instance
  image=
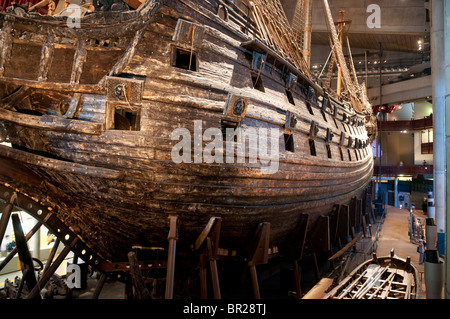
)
(51, 270)
(45, 216)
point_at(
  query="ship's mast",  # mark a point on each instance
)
(302, 26)
(307, 11)
(340, 26)
(352, 89)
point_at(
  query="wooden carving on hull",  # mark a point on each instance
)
(95, 115)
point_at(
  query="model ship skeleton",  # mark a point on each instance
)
(90, 112)
(387, 277)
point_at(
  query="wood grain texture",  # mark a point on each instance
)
(116, 188)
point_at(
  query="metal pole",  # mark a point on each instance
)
(307, 11)
(380, 115)
(439, 113)
(447, 102)
(438, 71)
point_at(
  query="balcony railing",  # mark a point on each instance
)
(413, 170)
(412, 125)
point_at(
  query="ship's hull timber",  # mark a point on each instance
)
(116, 187)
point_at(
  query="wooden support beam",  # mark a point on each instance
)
(99, 287)
(209, 241)
(364, 226)
(358, 219)
(14, 98)
(6, 214)
(318, 240)
(294, 249)
(128, 287)
(334, 219)
(352, 214)
(343, 223)
(172, 238)
(52, 255)
(26, 262)
(140, 290)
(346, 247)
(259, 248)
(38, 5)
(297, 280)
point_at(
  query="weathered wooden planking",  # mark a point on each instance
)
(133, 209)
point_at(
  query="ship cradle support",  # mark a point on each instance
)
(325, 232)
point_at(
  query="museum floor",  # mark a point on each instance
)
(394, 235)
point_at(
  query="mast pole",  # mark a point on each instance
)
(307, 11)
(341, 24)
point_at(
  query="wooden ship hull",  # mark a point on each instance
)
(90, 111)
(388, 277)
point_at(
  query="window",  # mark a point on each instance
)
(126, 120)
(335, 123)
(290, 97)
(308, 105)
(349, 155)
(312, 147)
(184, 59)
(257, 82)
(324, 115)
(350, 127)
(289, 142)
(342, 154)
(328, 150)
(228, 128)
(356, 154)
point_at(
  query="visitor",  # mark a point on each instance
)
(3, 248)
(421, 251)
